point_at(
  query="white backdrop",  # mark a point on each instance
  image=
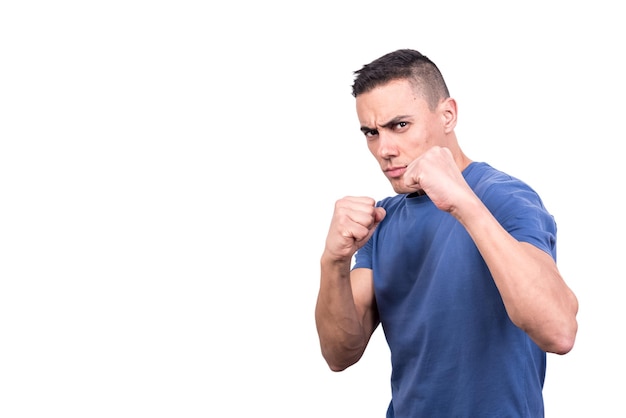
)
(168, 171)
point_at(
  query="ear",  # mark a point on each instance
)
(448, 113)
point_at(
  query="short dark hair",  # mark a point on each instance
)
(403, 64)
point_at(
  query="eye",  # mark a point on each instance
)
(401, 125)
(371, 133)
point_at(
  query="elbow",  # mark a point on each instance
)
(339, 357)
(554, 333)
(561, 346)
(563, 343)
(558, 341)
(557, 338)
(340, 363)
(565, 336)
(335, 367)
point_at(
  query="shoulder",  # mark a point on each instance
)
(484, 175)
(507, 197)
(491, 183)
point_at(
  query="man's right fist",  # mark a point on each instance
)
(353, 223)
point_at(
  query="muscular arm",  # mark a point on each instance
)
(345, 313)
(535, 295)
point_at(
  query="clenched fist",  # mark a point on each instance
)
(437, 174)
(353, 223)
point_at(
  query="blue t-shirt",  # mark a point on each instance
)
(454, 350)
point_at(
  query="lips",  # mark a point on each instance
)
(395, 172)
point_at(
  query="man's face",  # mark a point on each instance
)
(399, 127)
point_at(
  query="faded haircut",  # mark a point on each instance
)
(403, 64)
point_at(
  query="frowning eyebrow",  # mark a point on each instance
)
(387, 125)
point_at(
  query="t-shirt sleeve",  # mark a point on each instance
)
(521, 212)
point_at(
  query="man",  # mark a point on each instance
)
(458, 267)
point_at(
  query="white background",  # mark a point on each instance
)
(168, 171)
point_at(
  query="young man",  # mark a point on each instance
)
(458, 267)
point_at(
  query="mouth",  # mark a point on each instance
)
(395, 172)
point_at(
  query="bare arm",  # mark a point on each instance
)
(535, 295)
(345, 315)
(345, 312)
(532, 289)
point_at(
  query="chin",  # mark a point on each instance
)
(401, 189)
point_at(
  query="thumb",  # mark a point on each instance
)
(379, 214)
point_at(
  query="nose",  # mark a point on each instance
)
(387, 147)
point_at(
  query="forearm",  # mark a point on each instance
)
(535, 295)
(342, 336)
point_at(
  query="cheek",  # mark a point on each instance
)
(373, 148)
(420, 139)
